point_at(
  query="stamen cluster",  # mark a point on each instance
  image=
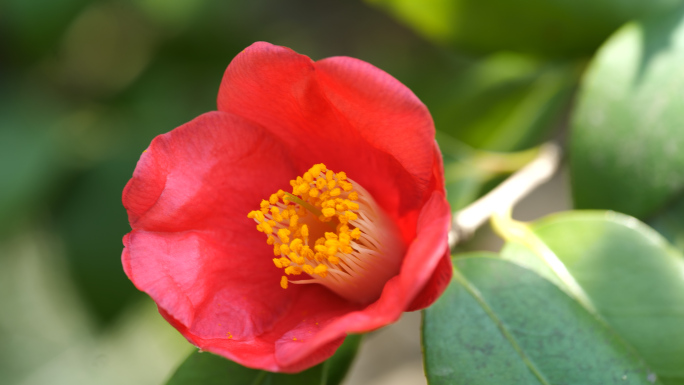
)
(353, 239)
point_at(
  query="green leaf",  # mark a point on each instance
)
(498, 323)
(505, 102)
(556, 28)
(670, 223)
(490, 112)
(209, 369)
(623, 271)
(627, 137)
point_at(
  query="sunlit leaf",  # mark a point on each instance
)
(620, 269)
(558, 28)
(627, 143)
(498, 323)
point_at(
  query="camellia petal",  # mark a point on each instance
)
(212, 274)
(317, 109)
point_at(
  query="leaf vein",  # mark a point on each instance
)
(472, 290)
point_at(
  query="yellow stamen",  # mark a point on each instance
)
(352, 262)
(283, 235)
(321, 270)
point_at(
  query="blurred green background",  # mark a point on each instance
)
(85, 85)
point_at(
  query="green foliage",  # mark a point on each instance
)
(498, 323)
(601, 303)
(208, 369)
(504, 102)
(627, 137)
(627, 274)
(564, 28)
(491, 110)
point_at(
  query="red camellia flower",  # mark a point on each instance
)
(311, 205)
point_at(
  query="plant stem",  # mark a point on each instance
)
(507, 194)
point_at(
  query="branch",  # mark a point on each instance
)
(507, 194)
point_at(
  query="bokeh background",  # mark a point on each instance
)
(86, 84)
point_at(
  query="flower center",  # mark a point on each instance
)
(356, 247)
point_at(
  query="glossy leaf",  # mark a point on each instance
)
(498, 323)
(209, 369)
(629, 275)
(556, 28)
(627, 137)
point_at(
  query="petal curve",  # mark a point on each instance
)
(385, 112)
(199, 257)
(316, 113)
(420, 262)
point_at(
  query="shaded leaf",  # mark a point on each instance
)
(209, 369)
(670, 223)
(92, 221)
(505, 102)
